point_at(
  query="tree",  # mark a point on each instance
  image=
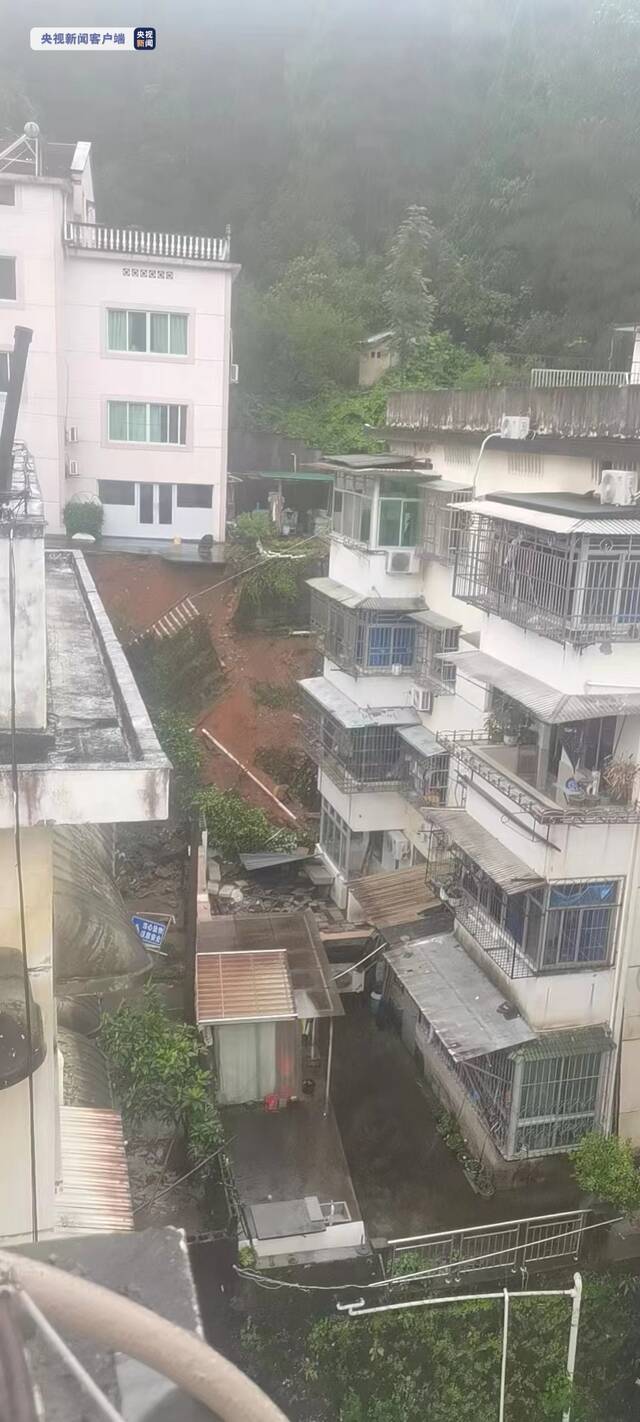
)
(409, 301)
(605, 1166)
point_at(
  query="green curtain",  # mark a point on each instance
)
(117, 419)
(178, 332)
(159, 332)
(158, 424)
(137, 422)
(117, 331)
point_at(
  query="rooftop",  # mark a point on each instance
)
(591, 417)
(580, 506)
(348, 713)
(285, 971)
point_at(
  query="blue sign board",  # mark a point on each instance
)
(149, 930)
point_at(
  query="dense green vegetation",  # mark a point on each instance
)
(443, 1364)
(313, 130)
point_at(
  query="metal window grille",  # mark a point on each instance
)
(558, 1102)
(427, 778)
(431, 672)
(442, 524)
(366, 641)
(571, 589)
(367, 758)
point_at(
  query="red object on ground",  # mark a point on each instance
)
(271, 1102)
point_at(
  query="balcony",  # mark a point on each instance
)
(358, 747)
(531, 784)
(369, 636)
(131, 242)
(610, 411)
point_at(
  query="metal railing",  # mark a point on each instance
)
(507, 1246)
(543, 379)
(132, 242)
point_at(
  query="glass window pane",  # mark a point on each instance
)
(137, 330)
(146, 503)
(159, 322)
(117, 419)
(182, 428)
(137, 422)
(409, 528)
(194, 496)
(158, 424)
(7, 278)
(116, 491)
(178, 334)
(117, 330)
(380, 647)
(165, 503)
(390, 513)
(365, 520)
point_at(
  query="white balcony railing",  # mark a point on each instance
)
(131, 242)
(542, 379)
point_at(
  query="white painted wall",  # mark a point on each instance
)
(364, 571)
(385, 690)
(377, 810)
(572, 671)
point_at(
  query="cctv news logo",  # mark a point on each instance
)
(104, 41)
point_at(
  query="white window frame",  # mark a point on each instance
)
(136, 311)
(157, 444)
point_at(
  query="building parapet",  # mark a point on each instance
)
(591, 412)
(131, 242)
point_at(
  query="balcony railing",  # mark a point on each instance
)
(542, 379)
(368, 759)
(131, 242)
(472, 750)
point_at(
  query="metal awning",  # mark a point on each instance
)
(295, 936)
(436, 620)
(511, 874)
(273, 859)
(351, 716)
(567, 1043)
(421, 740)
(85, 1078)
(367, 602)
(242, 987)
(95, 1196)
(553, 522)
(468, 1013)
(543, 701)
(395, 897)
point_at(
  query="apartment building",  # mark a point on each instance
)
(479, 710)
(127, 393)
(77, 756)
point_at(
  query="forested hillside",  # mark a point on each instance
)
(512, 125)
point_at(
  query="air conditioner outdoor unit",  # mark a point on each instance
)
(421, 700)
(72, 434)
(399, 846)
(72, 469)
(618, 486)
(400, 561)
(234, 373)
(515, 426)
(353, 981)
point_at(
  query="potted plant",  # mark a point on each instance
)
(620, 778)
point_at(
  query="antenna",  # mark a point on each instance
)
(25, 149)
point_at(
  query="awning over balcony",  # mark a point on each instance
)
(436, 621)
(351, 716)
(346, 597)
(422, 741)
(549, 521)
(543, 701)
(468, 1013)
(511, 874)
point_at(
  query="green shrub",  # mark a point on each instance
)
(276, 695)
(83, 518)
(249, 527)
(180, 744)
(235, 827)
(605, 1166)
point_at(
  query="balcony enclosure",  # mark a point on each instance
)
(374, 636)
(378, 510)
(367, 757)
(441, 524)
(546, 928)
(578, 588)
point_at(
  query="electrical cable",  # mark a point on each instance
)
(15, 783)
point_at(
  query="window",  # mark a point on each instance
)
(558, 1101)
(5, 367)
(7, 195)
(194, 496)
(7, 278)
(113, 491)
(147, 332)
(399, 514)
(344, 847)
(579, 926)
(391, 645)
(165, 503)
(352, 514)
(147, 424)
(146, 503)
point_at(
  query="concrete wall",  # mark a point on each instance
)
(15, 1186)
(30, 655)
(374, 362)
(575, 672)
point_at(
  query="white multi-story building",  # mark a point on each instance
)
(78, 754)
(480, 709)
(127, 392)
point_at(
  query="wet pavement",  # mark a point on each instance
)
(406, 1179)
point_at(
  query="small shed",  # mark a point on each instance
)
(261, 982)
(377, 356)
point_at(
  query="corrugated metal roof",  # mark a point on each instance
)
(351, 716)
(545, 702)
(85, 1079)
(468, 1013)
(95, 1196)
(553, 523)
(287, 476)
(266, 859)
(503, 867)
(436, 620)
(568, 1043)
(337, 592)
(392, 898)
(242, 987)
(420, 740)
(294, 934)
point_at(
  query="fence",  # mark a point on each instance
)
(506, 1247)
(542, 379)
(134, 243)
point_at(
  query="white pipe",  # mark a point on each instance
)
(503, 1364)
(327, 1086)
(495, 434)
(355, 1312)
(120, 1325)
(573, 1337)
(265, 788)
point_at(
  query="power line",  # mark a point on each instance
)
(15, 783)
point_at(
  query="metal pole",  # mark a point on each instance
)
(503, 1366)
(329, 1062)
(17, 362)
(573, 1337)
